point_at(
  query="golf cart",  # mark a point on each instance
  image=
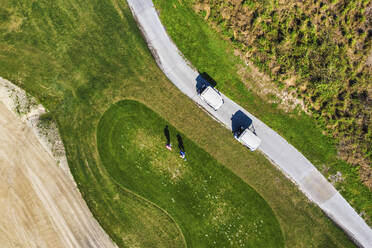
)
(211, 97)
(247, 138)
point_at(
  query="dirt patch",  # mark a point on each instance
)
(9, 21)
(40, 205)
(36, 117)
(369, 60)
(262, 85)
(198, 7)
(366, 175)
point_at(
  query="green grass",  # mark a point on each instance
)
(213, 207)
(80, 57)
(209, 53)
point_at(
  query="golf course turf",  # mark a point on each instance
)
(78, 58)
(213, 207)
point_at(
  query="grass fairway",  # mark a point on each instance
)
(213, 207)
(209, 53)
(79, 58)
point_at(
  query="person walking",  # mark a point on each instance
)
(181, 146)
(182, 154)
(168, 145)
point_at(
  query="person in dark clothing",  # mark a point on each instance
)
(181, 146)
(168, 145)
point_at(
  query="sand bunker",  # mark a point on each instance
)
(40, 205)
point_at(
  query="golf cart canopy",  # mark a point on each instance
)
(211, 96)
(249, 139)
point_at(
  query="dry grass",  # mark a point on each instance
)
(323, 48)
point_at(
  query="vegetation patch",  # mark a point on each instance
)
(213, 207)
(210, 46)
(324, 46)
(80, 57)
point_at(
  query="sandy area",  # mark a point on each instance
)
(40, 205)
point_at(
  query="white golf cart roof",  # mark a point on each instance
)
(210, 96)
(249, 139)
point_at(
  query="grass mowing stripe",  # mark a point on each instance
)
(214, 207)
(156, 206)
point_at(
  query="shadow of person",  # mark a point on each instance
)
(180, 143)
(166, 134)
(239, 120)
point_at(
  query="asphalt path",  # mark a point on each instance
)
(287, 158)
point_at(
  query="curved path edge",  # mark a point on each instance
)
(282, 154)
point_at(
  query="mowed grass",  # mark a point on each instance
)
(80, 57)
(209, 52)
(213, 207)
(77, 58)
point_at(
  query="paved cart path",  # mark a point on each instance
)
(277, 149)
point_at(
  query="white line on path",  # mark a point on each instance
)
(290, 161)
